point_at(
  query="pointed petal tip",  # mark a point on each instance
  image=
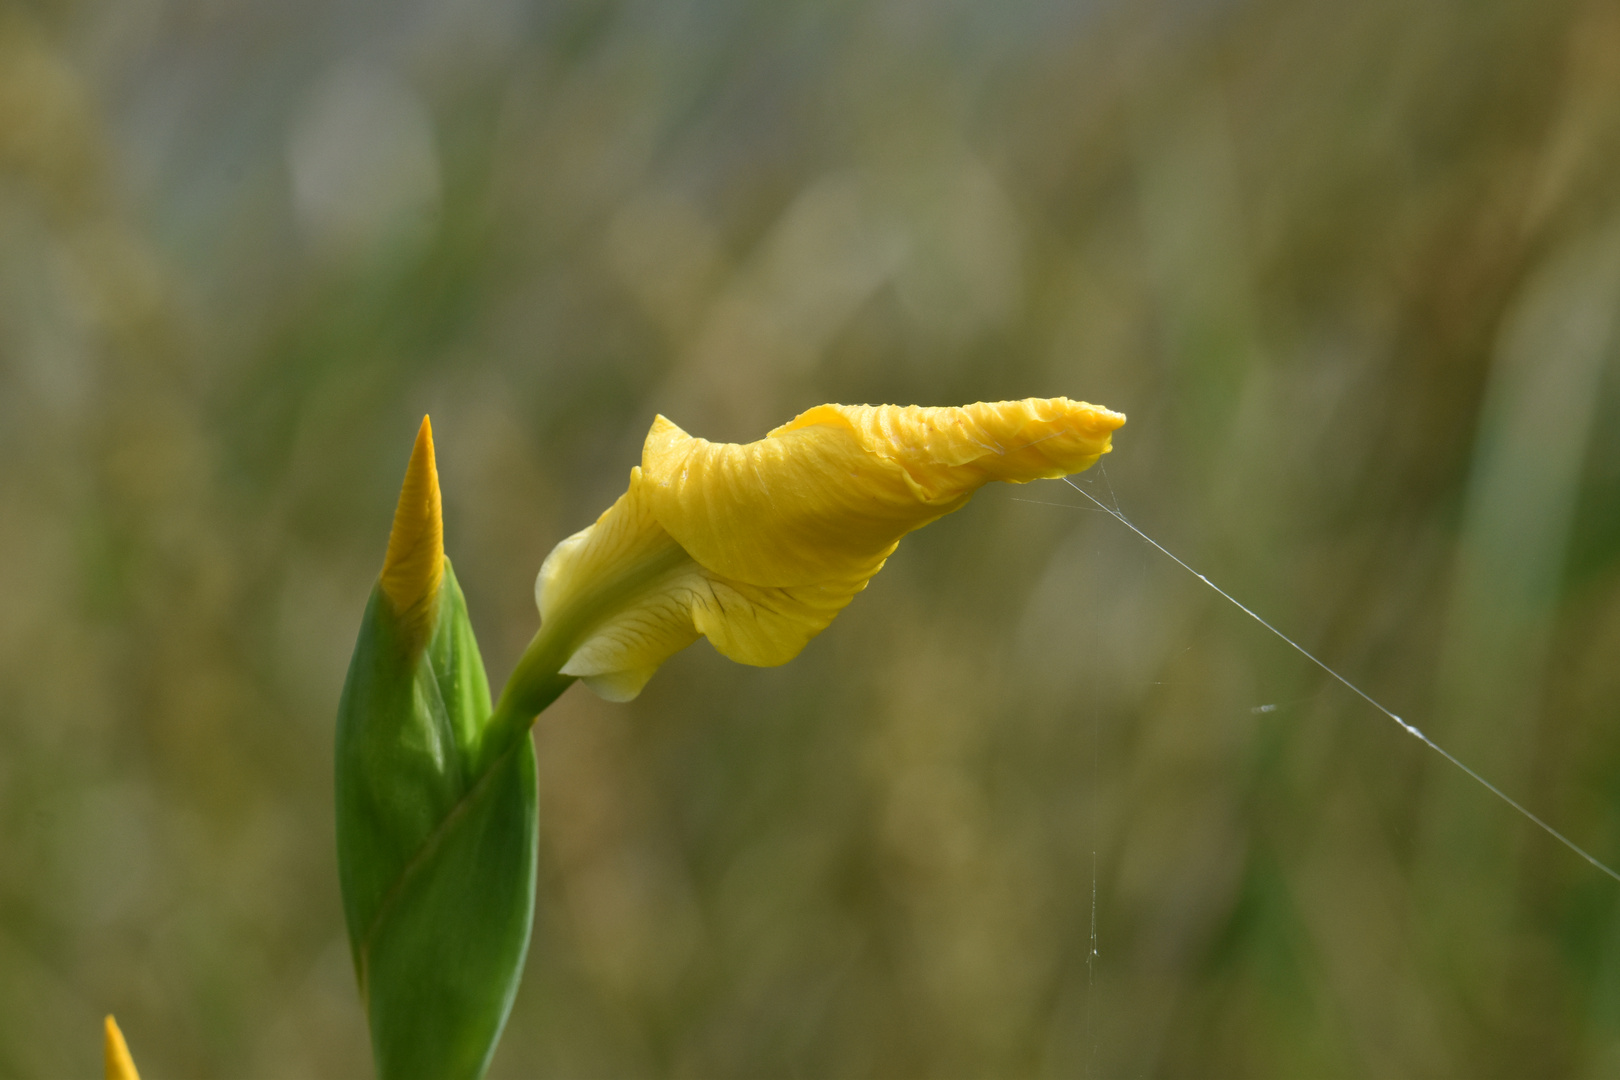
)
(414, 565)
(119, 1065)
(1108, 417)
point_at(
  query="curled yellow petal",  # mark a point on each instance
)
(120, 1066)
(828, 495)
(758, 546)
(618, 592)
(414, 566)
(951, 452)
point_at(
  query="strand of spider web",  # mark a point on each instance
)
(1410, 729)
(1091, 958)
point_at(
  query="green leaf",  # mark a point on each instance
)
(437, 864)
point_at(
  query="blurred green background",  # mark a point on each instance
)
(1038, 803)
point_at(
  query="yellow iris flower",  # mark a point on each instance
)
(757, 546)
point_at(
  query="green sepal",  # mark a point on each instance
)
(437, 865)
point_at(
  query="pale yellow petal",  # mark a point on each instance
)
(620, 685)
(646, 630)
(414, 566)
(120, 1066)
(607, 557)
(616, 593)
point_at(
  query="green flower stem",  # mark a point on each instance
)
(535, 683)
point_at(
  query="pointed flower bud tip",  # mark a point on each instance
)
(120, 1066)
(414, 566)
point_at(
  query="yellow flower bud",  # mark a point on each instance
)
(120, 1066)
(414, 566)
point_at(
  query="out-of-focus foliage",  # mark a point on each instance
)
(1038, 803)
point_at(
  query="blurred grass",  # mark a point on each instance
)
(1350, 271)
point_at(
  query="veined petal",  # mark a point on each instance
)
(758, 546)
(764, 625)
(801, 507)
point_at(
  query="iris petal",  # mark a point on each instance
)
(621, 588)
(799, 508)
